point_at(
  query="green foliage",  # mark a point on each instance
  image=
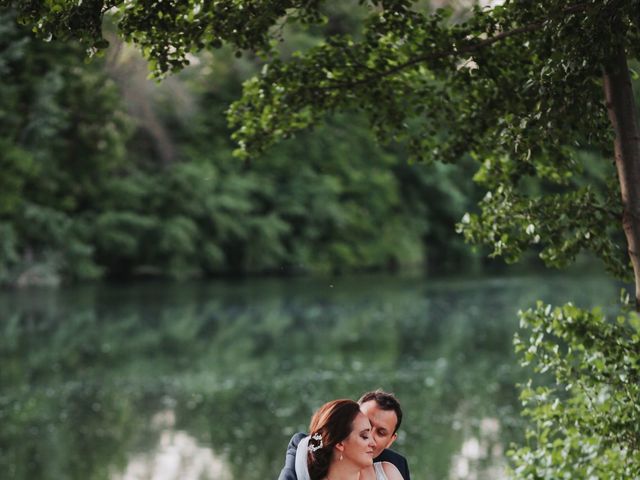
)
(61, 132)
(586, 421)
(17, 166)
(560, 224)
(83, 197)
(423, 79)
(498, 86)
(518, 86)
(343, 214)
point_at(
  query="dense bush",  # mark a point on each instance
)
(585, 420)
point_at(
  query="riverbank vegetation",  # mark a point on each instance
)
(108, 174)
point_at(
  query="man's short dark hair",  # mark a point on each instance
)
(386, 401)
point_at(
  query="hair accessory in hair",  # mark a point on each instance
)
(318, 438)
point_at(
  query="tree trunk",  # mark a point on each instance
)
(623, 116)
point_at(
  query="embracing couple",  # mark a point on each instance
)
(349, 441)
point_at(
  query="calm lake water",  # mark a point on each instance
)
(209, 380)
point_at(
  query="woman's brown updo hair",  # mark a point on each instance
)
(333, 423)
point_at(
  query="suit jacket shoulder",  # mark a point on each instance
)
(288, 472)
(394, 457)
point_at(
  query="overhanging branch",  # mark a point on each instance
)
(455, 50)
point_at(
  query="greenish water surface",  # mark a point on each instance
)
(209, 380)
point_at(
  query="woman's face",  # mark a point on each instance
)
(359, 445)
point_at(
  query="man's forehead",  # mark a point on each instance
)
(378, 416)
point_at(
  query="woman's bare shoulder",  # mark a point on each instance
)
(391, 471)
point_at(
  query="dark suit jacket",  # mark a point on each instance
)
(288, 472)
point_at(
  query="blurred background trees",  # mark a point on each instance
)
(106, 173)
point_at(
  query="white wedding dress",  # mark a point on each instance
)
(380, 475)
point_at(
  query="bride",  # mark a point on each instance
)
(340, 446)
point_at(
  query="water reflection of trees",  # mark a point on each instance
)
(82, 376)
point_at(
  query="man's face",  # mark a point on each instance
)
(383, 423)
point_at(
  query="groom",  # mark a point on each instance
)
(385, 415)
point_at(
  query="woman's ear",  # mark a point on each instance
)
(339, 446)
